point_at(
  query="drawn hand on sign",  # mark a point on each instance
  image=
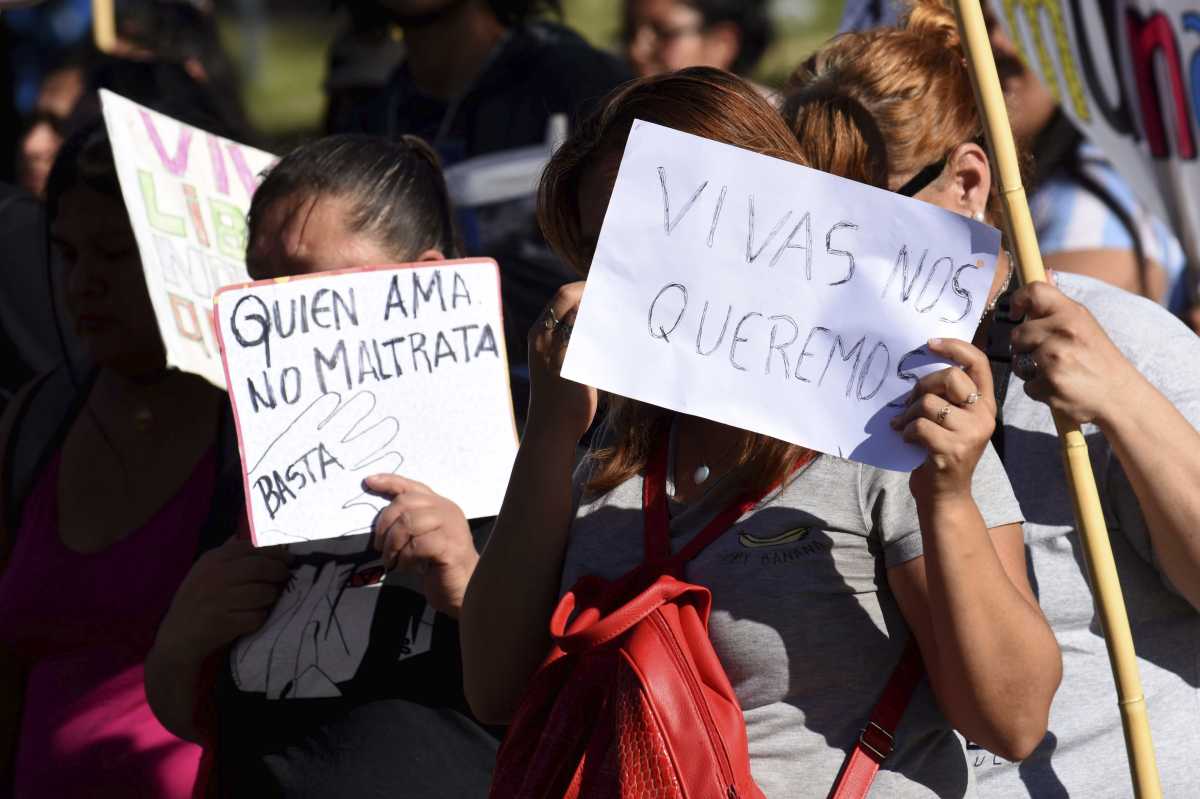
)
(324, 455)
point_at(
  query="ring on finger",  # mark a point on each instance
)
(551, 321)
(1025, 366)
(972, 398)
(942, 414)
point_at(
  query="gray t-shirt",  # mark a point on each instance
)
(802, 618)
(1084, 752)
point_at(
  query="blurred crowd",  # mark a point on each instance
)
(147, 649)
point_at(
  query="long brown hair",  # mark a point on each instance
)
(881, 104)
(702, 101)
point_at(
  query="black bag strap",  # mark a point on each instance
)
(999, 353)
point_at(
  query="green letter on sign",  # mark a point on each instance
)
(167, 223)
(229, 223)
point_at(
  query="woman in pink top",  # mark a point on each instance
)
(97, 539)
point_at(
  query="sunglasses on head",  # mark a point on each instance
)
(922, 179)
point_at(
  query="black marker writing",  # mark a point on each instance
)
(700, 331)
(278, 487)
(712, 231)
(752, 254)
(668, 223)
(829, 248)
(958, 289)
(781, 348)
(737, 337)
(840, 348)
(806, 223)
(663, 333)
(866, 370)
(933, 270)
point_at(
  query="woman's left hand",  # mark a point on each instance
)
(951, 413)
(1065, 358)
(423, 531)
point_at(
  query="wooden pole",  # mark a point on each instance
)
(104, 25)
(1093, 532)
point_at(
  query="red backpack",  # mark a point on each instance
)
(633, 702)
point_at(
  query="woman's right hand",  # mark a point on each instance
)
(556, 405)
(229, 592)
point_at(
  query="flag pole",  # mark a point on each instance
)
(104, 25)
(1093, 532)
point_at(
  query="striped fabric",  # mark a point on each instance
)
(1070, 217)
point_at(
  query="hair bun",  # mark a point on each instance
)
(933, 22)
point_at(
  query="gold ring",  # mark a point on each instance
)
(942, 414)
(972, 398)
(551, 321)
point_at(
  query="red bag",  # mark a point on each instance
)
(633, 702)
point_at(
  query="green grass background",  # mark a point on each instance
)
(284, 99)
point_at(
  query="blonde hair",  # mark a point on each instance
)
(705, 102)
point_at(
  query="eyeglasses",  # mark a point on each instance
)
(660, 34)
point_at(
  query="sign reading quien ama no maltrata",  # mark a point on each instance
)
(187, 192)
(772, 297)
(338, 376)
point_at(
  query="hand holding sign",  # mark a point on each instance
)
(772, 297)
(421, 530)
(558, 405)
(328, 449)
(336, 377)
(951, 413)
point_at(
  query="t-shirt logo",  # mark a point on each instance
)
(786, 537)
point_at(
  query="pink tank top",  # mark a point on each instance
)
(83, 625)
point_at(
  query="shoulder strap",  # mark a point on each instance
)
(878, 738)
(657, 538)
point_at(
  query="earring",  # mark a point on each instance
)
(978, 216)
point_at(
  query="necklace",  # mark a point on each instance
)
(703, 472)
(991, 306)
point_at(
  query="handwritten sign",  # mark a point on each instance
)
(187, 192)
(773, 297)
(337, 376)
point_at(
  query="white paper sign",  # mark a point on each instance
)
(338, 376)
(187, 192)
(773, 297)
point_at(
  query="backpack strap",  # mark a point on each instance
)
(657, 537)
(878, 738)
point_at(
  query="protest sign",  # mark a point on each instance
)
(773, 297)
(338, 376)
(187, 193)
(1128, 74)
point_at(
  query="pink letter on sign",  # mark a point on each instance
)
(177, 166)
(220, 174)
(249, 179)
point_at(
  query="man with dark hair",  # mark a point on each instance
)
(492, 88)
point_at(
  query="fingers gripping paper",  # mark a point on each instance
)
(773, 297)
(187, 192)
(338, 376)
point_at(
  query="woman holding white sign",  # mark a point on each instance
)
(901, 100)
(345, 680)
(835, 566)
